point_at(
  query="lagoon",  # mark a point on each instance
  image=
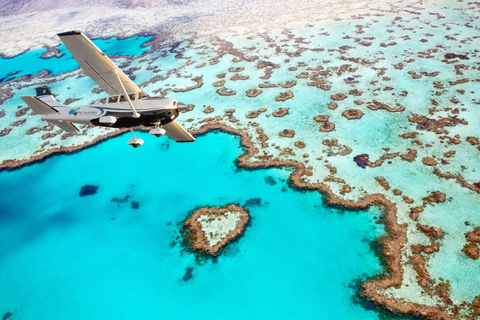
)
(69, 257)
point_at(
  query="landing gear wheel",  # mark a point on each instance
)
(135, 142)
(158, 132)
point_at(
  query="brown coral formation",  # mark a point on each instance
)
(280, 112)
(70, 101)
(18, 122)
(288, 84)
(334, 148)
(299, 144)
(434, 233)
(427, 249)
(219, 83)
(288, 133)
(473, 140)
(332, 106)
(471, 249)
(346, 189)
(321, 118)
(429, 161)
(363, 160)
(284, 96)
(448, 154)
(352, 114)
(238, 69)
(51, 52)
(327, 126)
(33, 130)
(253, 92)
(22, 112)
(198, 83)
(459, 179)
(414, 212)
(238, 77)
(418, 263)
(408, 135)
(378, 105)
(199, 238)
(455, 56)
(5, 131)
(428, 124)
(473, 236)
(381, 181)
(435, 197)
(225, 92)
(208, 110)
(338, 96)
(330, 142)
(410, 155)
(408, 200)
(264, 86)
(252, 114)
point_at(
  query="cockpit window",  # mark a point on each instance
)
(123, 98)
(132, 96)
(112, 99)
(141, 95)
(103, 101)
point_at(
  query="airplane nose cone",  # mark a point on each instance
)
(181, 107)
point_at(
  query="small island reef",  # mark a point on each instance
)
(210, 229)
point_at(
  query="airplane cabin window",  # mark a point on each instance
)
(132, 96)
(141, 95)
(103, 101)
(112, 99)
(123, 98)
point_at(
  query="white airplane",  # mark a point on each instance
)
(126, 107)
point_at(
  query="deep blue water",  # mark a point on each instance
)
(63, 257)
(31, 62)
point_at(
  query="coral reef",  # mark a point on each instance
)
(212, 228)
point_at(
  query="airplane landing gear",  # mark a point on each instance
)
(157, 131)
(135, 142)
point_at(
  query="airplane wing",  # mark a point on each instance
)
(96, 64)
(177, 132)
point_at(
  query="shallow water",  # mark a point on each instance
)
(62, 256)
(30, 62)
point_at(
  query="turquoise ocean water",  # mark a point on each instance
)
(62, 256)
(31, 62)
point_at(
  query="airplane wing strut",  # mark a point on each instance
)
(135, 113)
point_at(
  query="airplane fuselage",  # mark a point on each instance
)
(152, 111)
